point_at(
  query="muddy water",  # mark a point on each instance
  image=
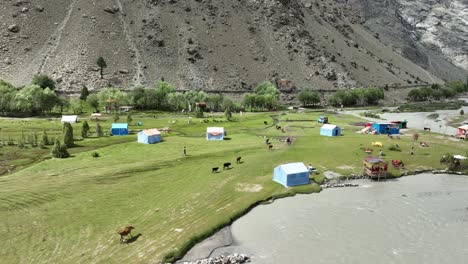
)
(415, 219)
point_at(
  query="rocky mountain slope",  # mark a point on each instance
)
(234, 44)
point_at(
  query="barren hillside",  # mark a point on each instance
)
(229, 44)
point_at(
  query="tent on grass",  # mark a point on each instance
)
(214, 133)
(462, 132)
(386, 129)
(119, 129)
(291, 174)
(69, 119)
(149, 136)
(330, 130)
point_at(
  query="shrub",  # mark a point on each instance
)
(129, 118)
(59, 151)
(199, 113)
(394, 147)
(85, 130)
(45, 138)
(98, 130)
(95, 155)
(462, 112)
(44, 81)
(67, 135)
(116, 117)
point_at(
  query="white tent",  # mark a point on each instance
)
(214, 133)
(69, 119)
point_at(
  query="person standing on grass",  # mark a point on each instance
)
(185, 151)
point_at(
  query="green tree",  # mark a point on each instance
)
(85, 129)
(7, 97)
(45, 138)
(102, 64)
(267, 88)
(68, 135)
(308, 97)
(93, 101)
(59, 151)
(84, 93)
(116, 117)
(98, 130)
(199, 113)
(228, 114)
(76, 106)
(43, 81)
(112, 98)
(129, 118)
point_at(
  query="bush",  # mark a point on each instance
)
(45, 138)
(67, 135)
(98, 130)
(199, 113)
(44, 81)
(116, 117)
(85, 130)
(95, 155)
(59, 151)
(394, 147)
(129, 118)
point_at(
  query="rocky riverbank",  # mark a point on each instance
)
(222, 259)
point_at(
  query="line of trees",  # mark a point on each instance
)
(357, 97)
(437, 92)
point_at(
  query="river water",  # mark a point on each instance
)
(415, 219)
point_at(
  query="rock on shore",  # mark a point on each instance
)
(229, 259)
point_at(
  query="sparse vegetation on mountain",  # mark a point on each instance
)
(43, 81)
(102, 64)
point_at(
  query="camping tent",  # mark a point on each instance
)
(291, 174)
(390, 129)
(149, 136)
(330, 130)
(119, 129)
(462, 131)
(69, 119)
(215, 133)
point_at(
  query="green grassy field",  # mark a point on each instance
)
(68, 210)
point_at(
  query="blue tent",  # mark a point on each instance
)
(390, 129)
(291, 174)
(214, 133)
(149, 136)
(119, 129)
(330, 130)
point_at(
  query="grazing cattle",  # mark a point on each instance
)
(267, 141)
(265, 122)
(270, 147)
(238, 160)
(124, 231)
(427, 129)
(226, 165)
(214, 170)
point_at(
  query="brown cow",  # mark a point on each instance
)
(125, 231)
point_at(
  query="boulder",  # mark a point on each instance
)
(112, 10)
(13, 28)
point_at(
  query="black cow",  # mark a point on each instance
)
(265, 122)
(214, 170)
(270, 147)
(226, 165)
(238, 160)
